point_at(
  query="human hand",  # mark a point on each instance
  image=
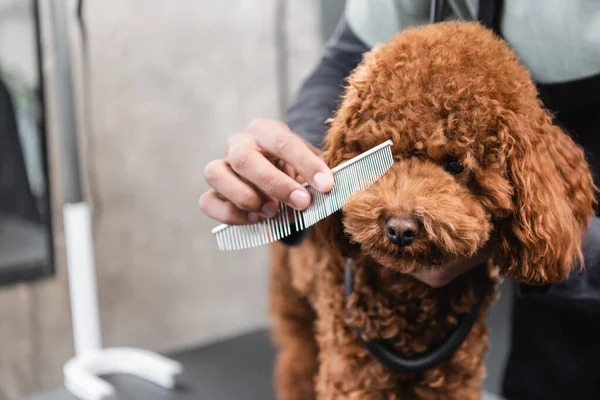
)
(263, 165)
(448, 272)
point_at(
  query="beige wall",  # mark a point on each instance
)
(171, 80)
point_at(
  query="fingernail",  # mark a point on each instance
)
(300, 199)
(253, 218)
(270, 209)
(323, 182)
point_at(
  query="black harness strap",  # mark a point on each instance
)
(383, 350)
(438, 9)
(490, 14)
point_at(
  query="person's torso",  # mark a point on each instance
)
(557, 40)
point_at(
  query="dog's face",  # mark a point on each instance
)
(476, 157)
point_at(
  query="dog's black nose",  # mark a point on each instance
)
(402, 230)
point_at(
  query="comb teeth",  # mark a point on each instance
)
(349, 177)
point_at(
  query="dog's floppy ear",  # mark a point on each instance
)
(338, 148)
(345, 140)
(329, 234)
(554, 192)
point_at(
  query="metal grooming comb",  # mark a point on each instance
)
(349, 177)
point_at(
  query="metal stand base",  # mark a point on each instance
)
(82, 373)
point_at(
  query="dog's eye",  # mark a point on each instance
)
(455, 167)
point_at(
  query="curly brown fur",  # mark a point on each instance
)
(445, 94)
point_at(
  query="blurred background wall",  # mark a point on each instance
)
(171, 80)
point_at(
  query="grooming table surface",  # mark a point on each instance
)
(239, 368)
(242, 368)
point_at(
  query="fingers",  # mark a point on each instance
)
(447, 273)
(275, 138)
(221, 210)
(228, 185)
(246, 185)
(434, 279)
(248, 162)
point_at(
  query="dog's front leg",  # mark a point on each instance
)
(293, 331)
(346, 370)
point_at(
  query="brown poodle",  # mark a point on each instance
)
(478, 162)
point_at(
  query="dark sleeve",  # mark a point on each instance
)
(320, 92)
(581, 291)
